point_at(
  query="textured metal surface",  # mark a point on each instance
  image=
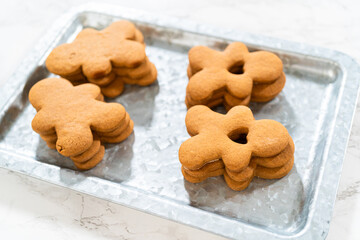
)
(143, 172)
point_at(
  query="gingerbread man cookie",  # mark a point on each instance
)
(98, 56)
(75, 120)
(94, 52)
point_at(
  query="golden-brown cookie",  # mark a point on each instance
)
(94, 52)
(277, 160)
(274, 173)
(266, 92)
(102, 57)
(243, 175)
(235, 72)
(197, 179)
(121, 137)
(235, 145)
(75, 78)
(114, 89)
(204, 171)
(119, 130)
(72, 112)
(92, 162)
(265, 138)
(235, 185)
(134, 73)
(85, 156)
(104, 81)
(145, 80)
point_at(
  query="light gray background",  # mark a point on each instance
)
(31, 209)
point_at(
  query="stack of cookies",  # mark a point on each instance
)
(234, 145)
(108, 58)
(232, 77)
(76, 122)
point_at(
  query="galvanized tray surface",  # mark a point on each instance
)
(143, 172)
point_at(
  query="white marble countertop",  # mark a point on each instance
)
(32, 209)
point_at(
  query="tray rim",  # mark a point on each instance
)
(242, 229)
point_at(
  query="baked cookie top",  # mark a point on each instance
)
(95, 52)
(234, 69)
(235, 138)
(72, 113)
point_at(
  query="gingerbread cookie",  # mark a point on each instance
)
(94, 52)
(232, 77)
(70, 119)
(107, 58)
(234, 145)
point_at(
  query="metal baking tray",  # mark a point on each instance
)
(143, 172)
